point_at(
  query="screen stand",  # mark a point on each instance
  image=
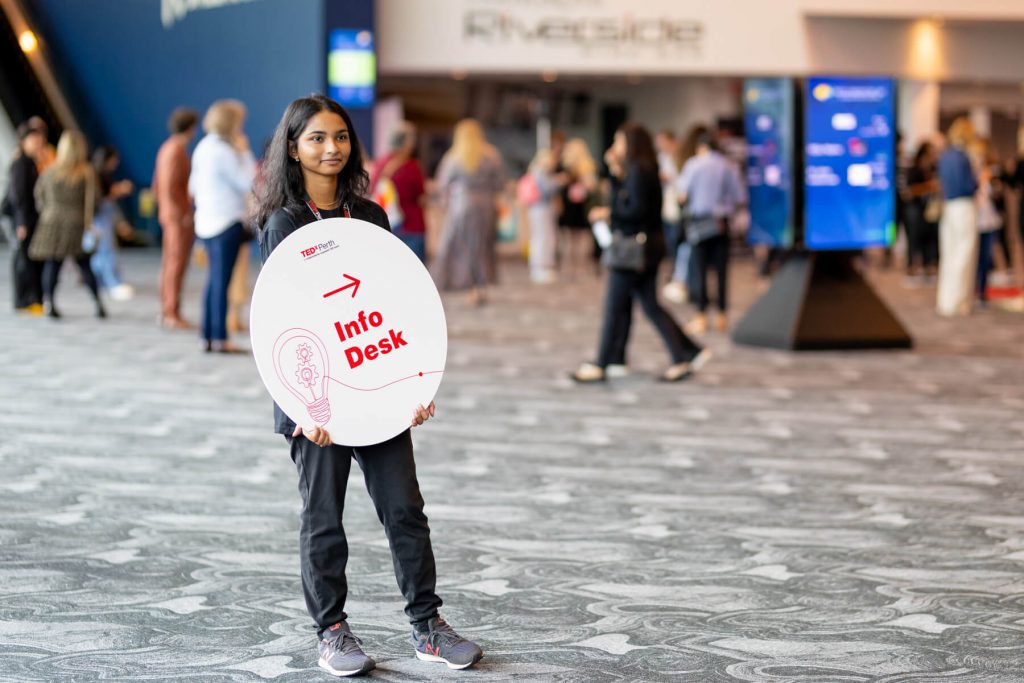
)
(819, 301)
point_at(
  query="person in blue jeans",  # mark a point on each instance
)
(223, 170)
(108, 216)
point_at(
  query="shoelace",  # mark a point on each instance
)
(444, 632)
(346, 643)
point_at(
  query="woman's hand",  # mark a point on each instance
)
(421, 414)
(599, 213)
(319, 436)
(121, 188)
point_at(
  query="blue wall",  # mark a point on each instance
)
(126, 71)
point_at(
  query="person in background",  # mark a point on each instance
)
(470, 178)
(401, 167)
(710, 186)
(47, 152)
(24, 173)
(680, 286)
(667, 146)
(223, 169)
(238, 286)
(958, 232)
(990, 218)
(636, 210)
(106, 222)
(66, 198)
(174, 211)
(578, 181)
(1016, 181)
(922, 207)
(541, 216)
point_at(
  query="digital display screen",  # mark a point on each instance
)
(849, 163)
(768, 123)
(351, 68)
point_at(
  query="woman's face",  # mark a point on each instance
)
(324, 146)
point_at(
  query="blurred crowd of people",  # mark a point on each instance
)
(958, 218)
(67, 208)
(64, 207)
(677, 197)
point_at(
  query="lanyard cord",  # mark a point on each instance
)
(316, 211)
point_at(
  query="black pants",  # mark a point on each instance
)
(922, 238)
(623, 287)
(711, 253)
(28, 276)
(51, 273)
(390, 474)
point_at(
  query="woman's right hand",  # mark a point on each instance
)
(319, 436)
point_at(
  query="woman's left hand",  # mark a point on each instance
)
(421, 414)
(600, 213)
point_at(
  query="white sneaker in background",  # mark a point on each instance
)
(674, 292)
(121, 292)
(616, 370)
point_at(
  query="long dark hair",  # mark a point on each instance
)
(281, 184)
(639, 146)
(924, 149)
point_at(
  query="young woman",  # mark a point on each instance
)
(636, 209)
(313, 169)
(66, 196)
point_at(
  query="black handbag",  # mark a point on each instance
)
(626, 252)
(702, 228)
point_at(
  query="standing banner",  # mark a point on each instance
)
(768, 118)
(849, 163)
(348, 330)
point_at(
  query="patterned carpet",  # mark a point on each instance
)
(818, 517)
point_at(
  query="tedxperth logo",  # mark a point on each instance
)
(317, 249)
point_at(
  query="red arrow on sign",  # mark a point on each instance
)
(353, 283)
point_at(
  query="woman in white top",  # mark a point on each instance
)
(223, 169)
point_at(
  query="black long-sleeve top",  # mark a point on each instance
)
(21, 193)
(284, 222)
(636, 201)
(636, 208)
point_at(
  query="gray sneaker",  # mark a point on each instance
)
(341, 654)
(440, 643)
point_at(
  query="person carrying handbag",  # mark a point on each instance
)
(636, 249)
(397, 183)
(710, 187)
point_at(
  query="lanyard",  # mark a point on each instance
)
(316, 211)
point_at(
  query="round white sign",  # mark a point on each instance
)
(348, 331)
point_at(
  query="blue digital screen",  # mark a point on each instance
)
(768, 121)
(849, 163)
(351, 68)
